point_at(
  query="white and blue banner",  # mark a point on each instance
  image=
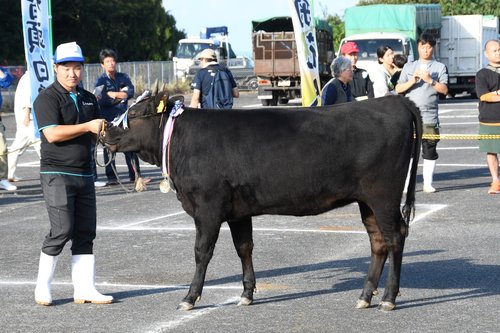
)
(307, 50)
(37, 45)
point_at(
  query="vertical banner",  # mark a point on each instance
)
(37, 46)
(307, 51)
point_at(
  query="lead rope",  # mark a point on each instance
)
(167, 134)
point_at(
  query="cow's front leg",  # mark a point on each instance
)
(206, 236)
(241, 231)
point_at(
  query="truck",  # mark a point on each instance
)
(461, 49)
(396, 26)
(215, 38)
(276, 65)
(459, 38)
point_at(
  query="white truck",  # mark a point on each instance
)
(211, 37)
(461, 38)
(461, 48)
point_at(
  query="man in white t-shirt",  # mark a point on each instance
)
(25, 130)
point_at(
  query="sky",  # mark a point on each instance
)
(237, 15)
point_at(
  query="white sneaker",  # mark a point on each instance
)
(429, 189)
(99, 184)
(4, 184)
(15, 179)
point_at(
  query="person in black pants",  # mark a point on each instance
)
(68, 121)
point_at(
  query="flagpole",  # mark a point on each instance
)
(51, 48)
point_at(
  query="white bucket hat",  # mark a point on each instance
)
(207, 54)
(68, 52)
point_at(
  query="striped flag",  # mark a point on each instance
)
(37, 46)
(307, 50)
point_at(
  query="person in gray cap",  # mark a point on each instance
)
(68, 121)
(207, 77)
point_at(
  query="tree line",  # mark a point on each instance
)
(142, 30)
(137, 29)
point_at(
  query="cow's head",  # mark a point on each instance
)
(139, 130)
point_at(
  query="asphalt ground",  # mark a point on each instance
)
(309, 270)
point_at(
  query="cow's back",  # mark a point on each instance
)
(291, 161)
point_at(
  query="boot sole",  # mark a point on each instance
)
(43, 303)
(83, 301)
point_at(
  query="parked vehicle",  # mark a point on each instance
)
(460, 38)
(241, 67)
(211, 37)
(461, 48)
(275, 58)
(397, 26)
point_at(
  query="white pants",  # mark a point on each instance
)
(25, 137)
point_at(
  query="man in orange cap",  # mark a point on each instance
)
(361, 86)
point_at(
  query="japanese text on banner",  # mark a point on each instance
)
(307, 51)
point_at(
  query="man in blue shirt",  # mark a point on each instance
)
(113, 90)
(203, 80)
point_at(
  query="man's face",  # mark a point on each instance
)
(492, 52)
(69, 74)
(425, 51)
(353, 56)
(109, 65)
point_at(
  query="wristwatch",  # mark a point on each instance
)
(433, 83)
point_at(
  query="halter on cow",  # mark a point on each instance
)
(230, 165)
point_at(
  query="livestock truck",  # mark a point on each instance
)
(276, 64)
(460, 38)
(396, 26)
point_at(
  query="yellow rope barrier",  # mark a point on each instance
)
(461, 136)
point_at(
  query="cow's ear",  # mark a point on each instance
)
(162, 96)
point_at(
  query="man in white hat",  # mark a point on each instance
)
(206, 78)
(67, 117)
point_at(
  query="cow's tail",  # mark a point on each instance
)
(408, 210)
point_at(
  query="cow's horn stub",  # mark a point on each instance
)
(155, 88)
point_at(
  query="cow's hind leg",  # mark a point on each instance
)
(207, 234)
(378, 256)
(241, 231)
(391, 291)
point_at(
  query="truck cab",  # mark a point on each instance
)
(210, 37)
(186, 52)
(369, 43)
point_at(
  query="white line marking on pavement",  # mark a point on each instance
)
(432, 209)
(167, 326)
(455, 124)
(126, 285)
(429, 209)
(127, 226)
(458, 148)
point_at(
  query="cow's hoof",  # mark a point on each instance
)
(386, 306)
(185, 306)
(362, 304)
(140, 184)
(244, 301)
(375, 292)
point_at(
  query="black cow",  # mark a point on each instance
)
(230, 165)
